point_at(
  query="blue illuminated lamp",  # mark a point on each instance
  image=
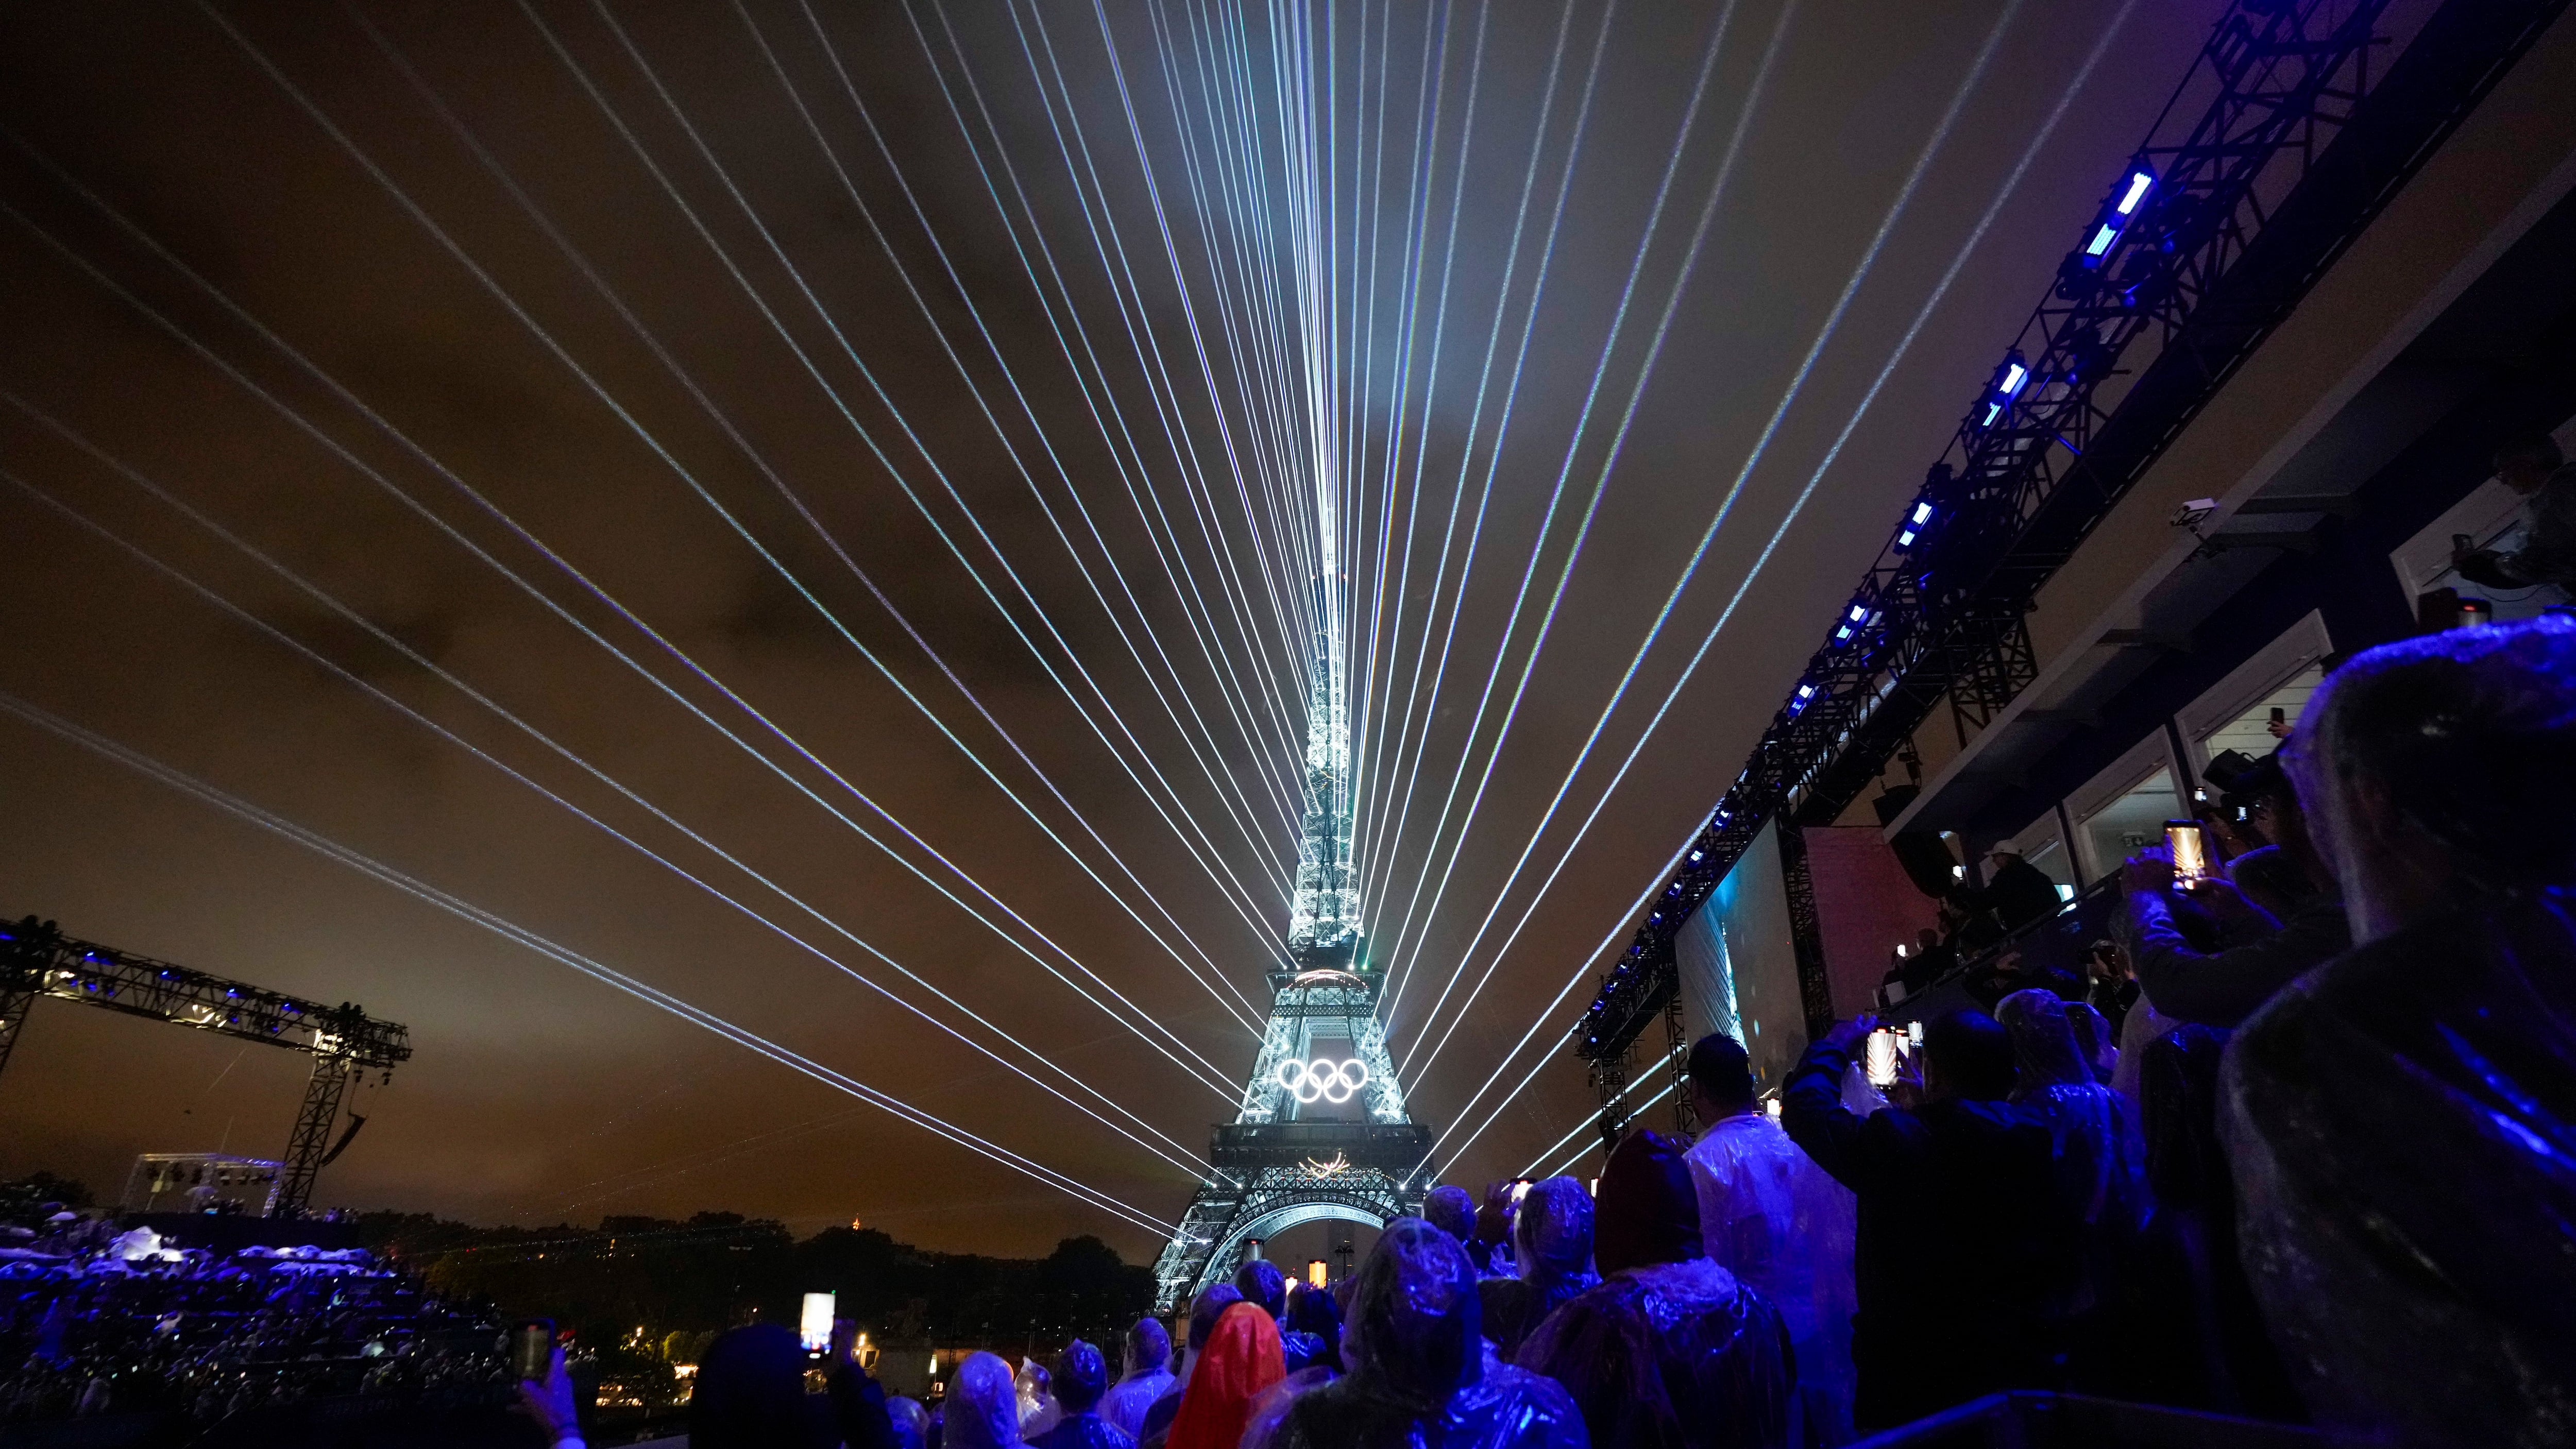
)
(1805, 693)
(2104, 234)
(2008, 381)
(1913, 525)
(1858, 616)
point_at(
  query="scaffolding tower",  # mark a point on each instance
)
(38, 960)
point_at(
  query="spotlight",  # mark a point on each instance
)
(2139, 184)
(1913, 526)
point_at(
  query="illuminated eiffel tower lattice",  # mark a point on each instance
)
(1322, 1131)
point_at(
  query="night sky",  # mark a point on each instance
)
(482, 323)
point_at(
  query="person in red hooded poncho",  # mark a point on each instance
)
(1242, 1358)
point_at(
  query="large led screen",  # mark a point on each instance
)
(1739, 969)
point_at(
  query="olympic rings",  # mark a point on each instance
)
(1323, 1081)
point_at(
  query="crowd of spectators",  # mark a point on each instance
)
(2299, 1150)
(94, 1320)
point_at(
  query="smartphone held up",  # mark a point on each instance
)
(2188, 844)
(1881, 1061)
(532, 1348)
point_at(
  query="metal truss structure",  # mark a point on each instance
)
(1609, 1074)
(37, 960)
(1677, 1045)
(2285, 139)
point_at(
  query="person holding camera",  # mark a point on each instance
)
(2213, 950)
(1966, 1246)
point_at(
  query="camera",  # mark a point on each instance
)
(2242, 780)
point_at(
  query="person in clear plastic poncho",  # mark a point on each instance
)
(1670, 1349)
(2099, 1146)
(1418, 1371)
(983, 1405)
(1552, 1259)
(1772, 1217)
(2401, 1122)
(1149, 1351)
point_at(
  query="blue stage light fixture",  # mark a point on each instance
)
(1912, 528)
(2140, 183)
(2102, 239)
(2008, 381)
(1798, 702)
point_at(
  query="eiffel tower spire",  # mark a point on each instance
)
(1322, 1131)
(1324, 914)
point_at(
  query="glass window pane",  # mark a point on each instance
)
(2132, 822)
(2251, 732)
(2049, 855)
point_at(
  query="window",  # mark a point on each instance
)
(2236, 713)
(2250, 733)
(2124, 808)
(2043, 845)
(2131, 822)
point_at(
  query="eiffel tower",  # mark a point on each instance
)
(1322, 1131)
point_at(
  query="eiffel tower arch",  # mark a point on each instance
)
(1321, 1135)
